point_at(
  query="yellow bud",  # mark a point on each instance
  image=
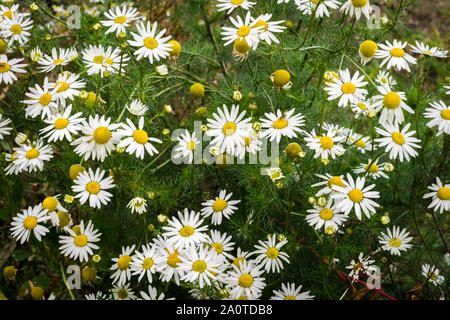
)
(75, 170)
(9, 272)
(162, 218)
(89, 274)
(96, 258)
(150, 228)
(197, 90)
(37, 293)
(201, 111)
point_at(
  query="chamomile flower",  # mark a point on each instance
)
(99, 138)
(4, 129)
(245, 280)
(9, 68)
(320, 7)
(221, 244)
(41, 100)
(228, 129)
(270, 255)
(97, 296)
(289, 291)
(16, 29)
(31, 157)
(137, 108)
(356, 8)
(67, 85)
(346, 88)
(425, 49)
(151, 45)
(361, 265)
(361, 143)
(220, 206)
(7, 12)
(392, 103)
(242, 30)
(361, 106)
(432, 274)
(395, 241)
(122, 266)
(399, 143)
(53, 207)
(27, 222)
(62, 125)
(440, 196)
(137, 204)
(168, 261)
(144, 263)
(57, 58)
(98, 60)
(136, 140)
(268, 29)
(230, 5)
(356, 196)
(187, 144)
(252, 144)
(119, 19)
(372, 169)
(12, 166)
(394, 55)
(326, 145)
(328, 182)
(186, 230)
(123, 292)
(281, 124)
(36, 54)
(92, 186)
(325, 216)
(384, 78)
(80, 245)
(367, 50)
(439, 112)
(274, 173)
(153, 294)
(200, 264)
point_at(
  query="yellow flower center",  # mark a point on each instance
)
(362, 106)
(243, 31)
(63, 86)
(120, 20)
(16, 29)
(398, 138)
(176, 48)
(280, 123)
(122, 293)
(4, 67)
(326, 142)
(391, 100)
(102, 135)
(13, 157)
(261, 23)
(356, 195)
(443, 193)
(373, 168)
(397, 52)
(236, 2)
(337, 181)
(348, 88)
(147, 264)
(59, 61)
(108, 61)
(292, 297)
(445, 114)
(61, 123)
(190, 145)
(245, 280)
(229, 128)
(359, 3)
(431, 275)
(45, 99)
(98, 59)
(219, 205)
(64, 219)
(186, 231)
(8, 14)
(395, 242)
(326, 214)
(93, 187)
(272, 253)
(140, 136)
(32, 153)
(241, 45)
(37, 293)
(236, 261)
(80, 240)
(30, 222)
(50, 203)
(368, 48)
(281, 77)
(218, 247)
(173, 260)
(199, 266)
(150, 43)
(124, 262)
(360, 143)
(247, 141)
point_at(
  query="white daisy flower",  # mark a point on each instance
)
(100, 138)
(200, 264)
(98, 60)
(16, 29)
(432, 274)
(355, 196)
(270, 255)
(281, 124)
(347, 88)
(41, 100)
(12, 166)
(440, 196)
(7, 12)
(357, 7)
(221, 244)
(119, 19)
(360, 142)
(67, 85)
(241, 256)
(151, 45)
(80, 245)
(252, 144)
(367, 50)
(137, 204)
(187, 144)
(137, 108)
(268, 29)
(97, 296)
(53, 207)
(58, 58)
(245, 280)
(399, 144)
(230, 5)
(9, 68)
(36, 54)
(123, 292)
(394, 55)
(374, 171)
(361, 265)
(325, 217)
(136, 140)
(4, 130)
(153, 294)
(274, 173)
(328, 182)
(32, 157)
(395, 241)
(185, 231)
(290, 292)
(168, 261)
(384, 78)
(319, 6)
(62, 125)
(92, 186)
(425, 49)
(361, 106)
(439, 112)
(228, 129)
(242, 30)
(122, 266)
(221, 205)
(27, 222)
(392, 104)
(326, 145)
(144, 263)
